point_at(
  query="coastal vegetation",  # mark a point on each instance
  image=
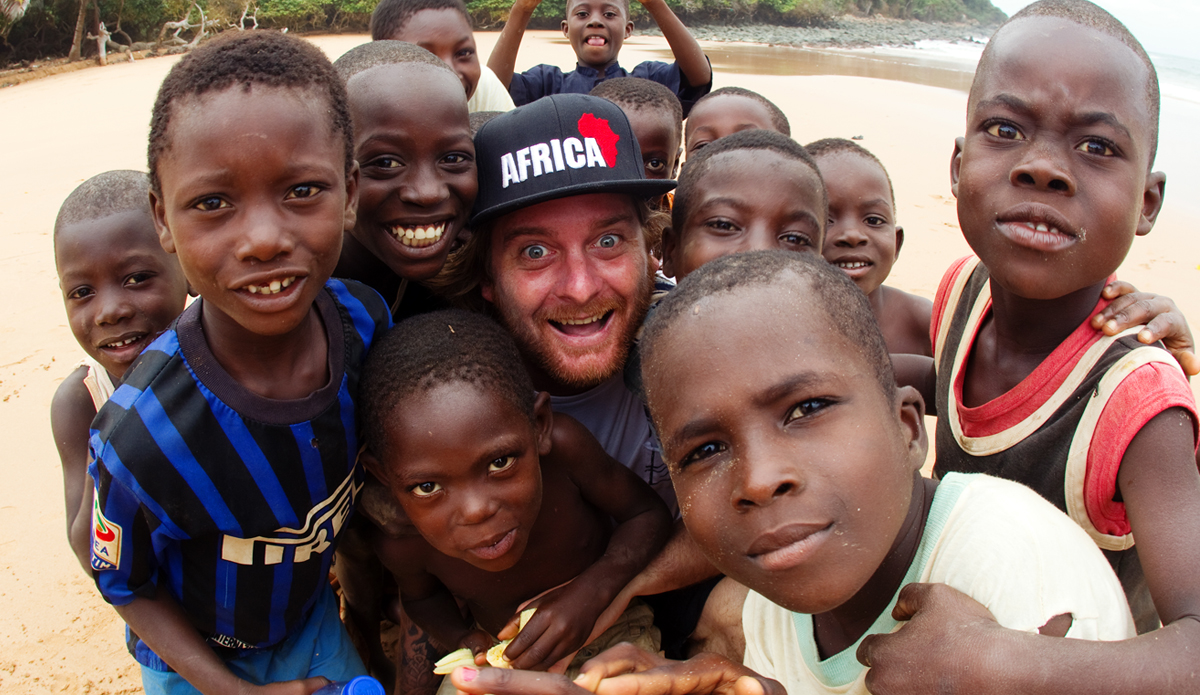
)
(34, 29)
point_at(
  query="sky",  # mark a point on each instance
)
(1163, 26)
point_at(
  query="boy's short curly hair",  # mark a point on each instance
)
(375, 53)
(247, 58)
(479, 118)
(105, 194)
(1092, 16)
(428, 350)
(827, 146)
(391, 16)
(700, 163)
(800, 277)
(778, 120)
(638, 93)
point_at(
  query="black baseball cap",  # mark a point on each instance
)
(558, 146)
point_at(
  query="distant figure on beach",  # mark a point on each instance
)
(120, 290)
(444, 28)
(226, 462)
(596, 30)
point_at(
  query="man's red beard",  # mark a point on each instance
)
(567, 365)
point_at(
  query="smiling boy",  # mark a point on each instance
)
(864, 240)
(596, 30)
(417, 163)
(225, 463)
(120, 290)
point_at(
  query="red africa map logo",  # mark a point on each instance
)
(597, 128)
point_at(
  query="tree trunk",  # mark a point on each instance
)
(77, 42)
(101, 37)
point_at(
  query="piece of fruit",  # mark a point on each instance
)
(459, 657)
(495, 655)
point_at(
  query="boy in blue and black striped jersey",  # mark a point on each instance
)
(225, 464)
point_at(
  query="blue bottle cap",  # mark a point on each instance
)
(363, 685)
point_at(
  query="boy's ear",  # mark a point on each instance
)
(629, 28)
(911, 409)
(1152, 201)
(350, 216)
(564, 27)
(371, 464)
(899, 240)
(669, 245)
(159, 211)
(543, 423)
(955, 164)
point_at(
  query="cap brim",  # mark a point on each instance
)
(641, 188)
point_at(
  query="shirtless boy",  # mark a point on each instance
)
(120, 290)
(512, 501)
(864, 240)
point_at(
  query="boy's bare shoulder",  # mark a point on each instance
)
(406, 553)
(571, 440)
(71, 409)
(905, 324)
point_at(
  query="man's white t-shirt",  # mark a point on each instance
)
(619, 421)
(996, 541)
(490, 94)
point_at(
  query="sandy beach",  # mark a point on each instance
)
(57, 634)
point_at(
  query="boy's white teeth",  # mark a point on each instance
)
(852, 265)
(123, 343)
(1042, 227)
(274, 287)
(418, 237)
(580, 322)
(596, 41)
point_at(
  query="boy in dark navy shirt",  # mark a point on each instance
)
(596, 30)
(225, 463)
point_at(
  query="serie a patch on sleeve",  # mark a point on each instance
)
(106, 540)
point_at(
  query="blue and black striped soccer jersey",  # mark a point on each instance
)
(230, 501)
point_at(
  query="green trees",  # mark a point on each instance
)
(31, 29)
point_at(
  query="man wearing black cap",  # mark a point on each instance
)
(560, 252)
(562, 228)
